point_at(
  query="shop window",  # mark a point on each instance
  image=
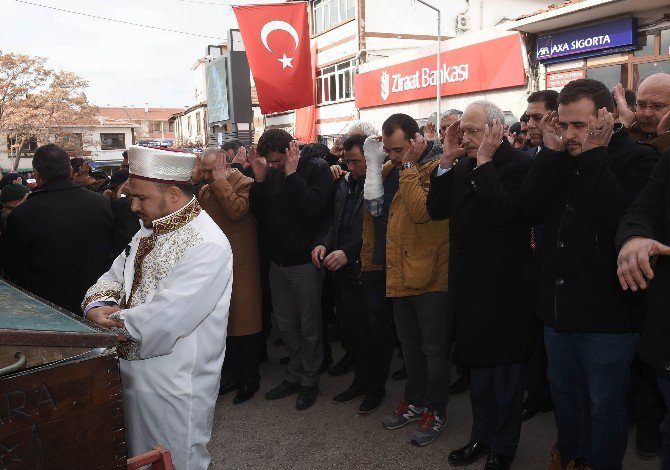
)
(112, 141)
(645, 45)
(642, 71)
(27, 148)
(609, 75)
(72, 141)
(665, 42)
(329, 13)
(335, 82)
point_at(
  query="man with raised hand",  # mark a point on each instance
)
(492, 275)
(582, 181)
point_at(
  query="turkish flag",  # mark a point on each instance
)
(276, 38)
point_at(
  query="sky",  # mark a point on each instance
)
(124, 65)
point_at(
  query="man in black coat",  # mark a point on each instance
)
(535, 371)
(644, 264)
(580, 185)
(289, 198)
(366, 318)
(59, 241)
(492, 275)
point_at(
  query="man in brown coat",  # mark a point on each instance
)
(225, 198)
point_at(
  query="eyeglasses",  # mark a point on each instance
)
(471, 132)
(654, 106)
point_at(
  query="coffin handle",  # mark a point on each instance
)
(18, 365)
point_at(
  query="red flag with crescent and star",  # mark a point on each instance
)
(276, 38)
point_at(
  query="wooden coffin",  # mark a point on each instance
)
(60, 391)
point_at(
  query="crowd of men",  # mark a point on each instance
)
(522, 254)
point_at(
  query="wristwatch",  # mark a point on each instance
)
(407, 165)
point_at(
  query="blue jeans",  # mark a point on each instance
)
(589, 375)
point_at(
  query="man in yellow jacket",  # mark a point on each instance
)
(416, 264)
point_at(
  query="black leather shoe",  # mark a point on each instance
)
(531, 407)
(371, 401)
(400, 374)
(468, 454)
(283, 390)
(227, 387)
(496, 461)
(306, 397)
(343, 366)
(350, 394)
(244, 393)
(461, 385)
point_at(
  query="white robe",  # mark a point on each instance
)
(178, 316)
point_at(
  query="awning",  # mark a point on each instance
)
(587, 11)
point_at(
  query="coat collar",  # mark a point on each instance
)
(55, 185)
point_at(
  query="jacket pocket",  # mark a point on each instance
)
(418, 266)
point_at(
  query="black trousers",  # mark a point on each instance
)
(535, 370)
(243, 357)
(664, 387)
(367, 318)
(645, 403)
(496, 394)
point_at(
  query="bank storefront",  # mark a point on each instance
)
(492, 69)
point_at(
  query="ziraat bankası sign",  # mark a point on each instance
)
(487, 65)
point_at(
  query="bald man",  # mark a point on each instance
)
(650, 123)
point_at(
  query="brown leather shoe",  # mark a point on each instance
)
(555, 460)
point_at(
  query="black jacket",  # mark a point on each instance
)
(58, 242)
(330, 236)
(581, 201)
(649, 216)
(291, 209)
(126, 224)
(492, 268)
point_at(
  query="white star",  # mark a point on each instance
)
(286, 62)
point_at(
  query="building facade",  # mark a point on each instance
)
(357, 36)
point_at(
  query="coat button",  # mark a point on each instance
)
(560, 282)
(561, 244)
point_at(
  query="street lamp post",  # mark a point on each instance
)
(438, 76)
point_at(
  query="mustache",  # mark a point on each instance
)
(572, 142)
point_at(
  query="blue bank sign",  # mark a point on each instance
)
(597, 39)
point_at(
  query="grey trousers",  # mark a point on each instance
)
(296, 301)
(423, 325)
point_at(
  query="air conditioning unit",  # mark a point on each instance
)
(462, 22)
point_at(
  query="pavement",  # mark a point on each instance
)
(261, 434)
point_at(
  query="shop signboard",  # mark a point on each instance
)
(562, 78)
(597, 39)
(488, 65)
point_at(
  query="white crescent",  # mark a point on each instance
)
(275, 26)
